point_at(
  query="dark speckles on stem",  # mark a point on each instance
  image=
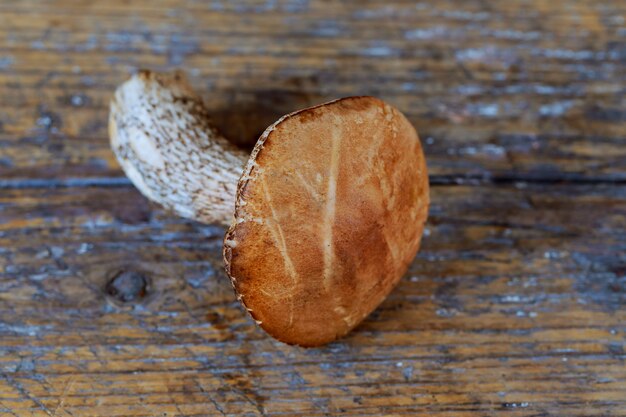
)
(182, 100)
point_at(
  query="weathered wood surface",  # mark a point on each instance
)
(515, 305)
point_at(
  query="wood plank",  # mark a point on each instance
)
(534, 96)
(110, 306)
(522, 314)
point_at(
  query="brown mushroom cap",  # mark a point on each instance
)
(329, 214)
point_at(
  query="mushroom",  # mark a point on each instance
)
(324, 216)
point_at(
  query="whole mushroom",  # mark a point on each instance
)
(324, 215)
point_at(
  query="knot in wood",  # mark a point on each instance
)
(127, 287)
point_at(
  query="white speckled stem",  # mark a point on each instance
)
(161, 134)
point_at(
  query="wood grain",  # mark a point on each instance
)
(515, 305)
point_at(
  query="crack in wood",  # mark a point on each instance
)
(435, 180)
(26, 394)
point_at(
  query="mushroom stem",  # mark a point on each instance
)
(162, 136)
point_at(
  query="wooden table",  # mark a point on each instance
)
(515, 305)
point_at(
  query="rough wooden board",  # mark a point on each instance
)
(532, 89)
(515, 305)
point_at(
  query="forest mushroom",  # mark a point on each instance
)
(324, 216)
